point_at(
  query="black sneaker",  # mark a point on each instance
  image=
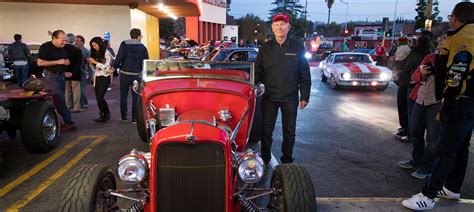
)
(124, 120)
(134, 121)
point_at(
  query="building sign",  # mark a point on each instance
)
(368, 31)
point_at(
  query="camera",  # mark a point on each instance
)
(133, 5)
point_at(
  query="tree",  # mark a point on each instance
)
(329, 3)
(334, 29)
(228, 5)
(299, 25)
(167, 28)
(420, 18)
(248, 25)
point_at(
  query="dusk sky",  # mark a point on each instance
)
(359, 10)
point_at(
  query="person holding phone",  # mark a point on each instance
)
(423, 118)
(101, 60)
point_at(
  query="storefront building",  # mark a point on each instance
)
(90, 18)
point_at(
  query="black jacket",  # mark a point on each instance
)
(283, 70)
(130, 56)
(18, 51)
(75, 58)
(413, 61)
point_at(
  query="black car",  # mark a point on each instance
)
(7, 70)
(232, 54)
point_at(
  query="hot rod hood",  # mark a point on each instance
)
(190, 132)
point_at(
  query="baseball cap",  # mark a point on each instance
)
(107, 36)
(281, 16)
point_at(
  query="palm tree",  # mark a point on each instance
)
(330, 2)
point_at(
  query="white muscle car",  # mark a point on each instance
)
(350, 69)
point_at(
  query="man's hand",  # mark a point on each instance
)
(67, 62)
(61, 62)
(67, 74)
(303, 104)
(425, 70)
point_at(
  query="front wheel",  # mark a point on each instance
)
(294, 189)
(40, 127)
(87, 190)
(333, 83)
(323, 77)
(141, 122)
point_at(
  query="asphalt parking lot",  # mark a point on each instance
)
(343, 139)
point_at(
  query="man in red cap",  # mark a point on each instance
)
(282, 67)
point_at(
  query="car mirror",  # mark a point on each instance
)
(135, 86)
(260, 89)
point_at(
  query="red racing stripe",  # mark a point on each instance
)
(352, 67)
(372, 68)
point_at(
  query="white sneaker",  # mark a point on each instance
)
(419, 202)
(447, 194)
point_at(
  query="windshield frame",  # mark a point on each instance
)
(360, 54)
(250, 81)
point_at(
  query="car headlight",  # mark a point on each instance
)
(132, 168)
(384, 76)
(307, 55)
(250, 168)
(346, 76)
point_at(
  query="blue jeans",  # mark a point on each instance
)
(83, 100)
(126, 84)
(21, 73)
(424, 118)
(457, 121)
(55, 85)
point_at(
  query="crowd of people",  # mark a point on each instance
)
(435, 97)
(67, 63)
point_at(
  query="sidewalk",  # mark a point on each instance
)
(386, 204)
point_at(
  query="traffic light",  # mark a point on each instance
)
(346, 32)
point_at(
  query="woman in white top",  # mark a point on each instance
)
(101, 60)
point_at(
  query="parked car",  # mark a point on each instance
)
(7, 72)
(354, 70)
(197, 120)
(323, 51)
(240, 54)
(33, 114)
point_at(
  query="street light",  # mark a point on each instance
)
(345, 28)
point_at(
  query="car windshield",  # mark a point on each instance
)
(166, 69)
(352, 58)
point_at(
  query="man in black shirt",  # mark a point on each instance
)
(282, 67)
(53, 58)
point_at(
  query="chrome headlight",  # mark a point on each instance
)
(132, 168)
(346, 76)
(384, 76)
(250, 168)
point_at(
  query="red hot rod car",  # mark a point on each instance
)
(197, 117)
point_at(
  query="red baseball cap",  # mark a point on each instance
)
(281, 16)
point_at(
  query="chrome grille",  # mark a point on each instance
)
(190, 177)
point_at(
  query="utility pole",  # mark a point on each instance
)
(394, 22)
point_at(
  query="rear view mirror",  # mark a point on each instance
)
(260, 89)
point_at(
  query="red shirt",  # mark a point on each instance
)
(380, 51)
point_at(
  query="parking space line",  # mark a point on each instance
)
(39, 167)
(21, 203)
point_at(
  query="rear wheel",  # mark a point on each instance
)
(87, 190)
(294, 189)
(40, 127)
